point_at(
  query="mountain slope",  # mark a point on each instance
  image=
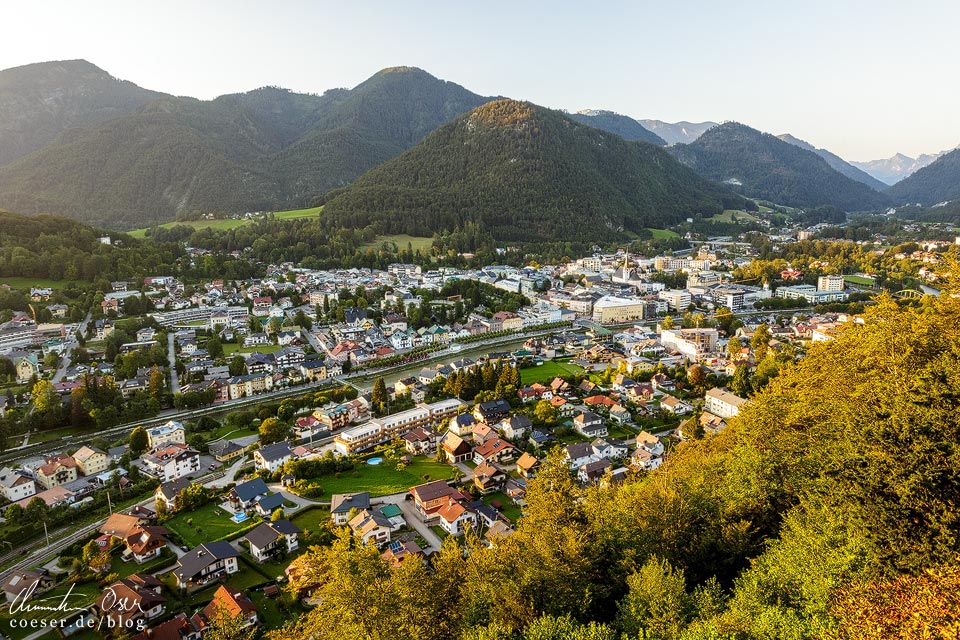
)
(624, 126)
(264, 149)
(380, 118)
(937, 182)
(39, 101)
(837, 163)
(523, 172)
(677, 132)
(769, 168)
(894, 169)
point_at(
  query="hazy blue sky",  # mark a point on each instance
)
(864, 79)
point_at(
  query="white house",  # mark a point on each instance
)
(272, 457)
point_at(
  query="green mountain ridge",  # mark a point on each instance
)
(523, 172)
(937, 182)
(265, 149)
(837, 163)
(40, 101)
(624, 126)
(771, 169)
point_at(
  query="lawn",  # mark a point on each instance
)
(662, 234)
(311, 519)
(275, 612)
(384, 479)
(509, 509)
(16, 282)
(231, 348)
(547, 371)
(401, 240)
(230, 223)
(728, 214)
(298, 213)
(210, 522)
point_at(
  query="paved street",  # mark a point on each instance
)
(71, 345)
(412, 517)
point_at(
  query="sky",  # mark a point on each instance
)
(863, 79)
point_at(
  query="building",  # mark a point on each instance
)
(246, 494)
(811, 294)
(341, 504)
(432, 496)
(830, 283)
(372, 527)
(58, 469)
(205, 564)
(612, 310)
(721, 402)
(676, 299)
(16, 484)
(171, 461)
(271, 538)
(91, 461)
(272, 457)
(229, 603)
(692, 343)
(388, 428)
(132, 600)
(491, 412)
(23, 585)
(172, 431)
(168, 492)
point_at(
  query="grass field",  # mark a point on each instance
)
(509, 509)
(297, 213)
(727, 216)
(662, 234)
(401, 240)
(40, 283)
(230, 223)
(384, 479)
(231, 348)
(210, 522)
(547, 372)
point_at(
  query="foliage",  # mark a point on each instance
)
(515, 171)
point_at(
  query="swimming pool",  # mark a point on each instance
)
(239, 517)
(374, 461)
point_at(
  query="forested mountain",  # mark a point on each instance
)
(40, 101)
(935, 183)
(826, 509)
(677, 132)
(265, 149)
(837, 163)
(523, 172)
(624, 126)
(769, 168)
(897, 167)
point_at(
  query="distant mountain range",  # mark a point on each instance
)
(764, 166)
(936, 183)
(893, 170)
(522, 172)
(624, 126)
(677, 132)
(76, 141)
(837, 163)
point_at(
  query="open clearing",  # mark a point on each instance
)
(401, 240)
(230, 223)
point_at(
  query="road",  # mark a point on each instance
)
(71, 345)
(172, 355)
(412, 517)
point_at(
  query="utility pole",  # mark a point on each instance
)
(45, 532)
(109, 503)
